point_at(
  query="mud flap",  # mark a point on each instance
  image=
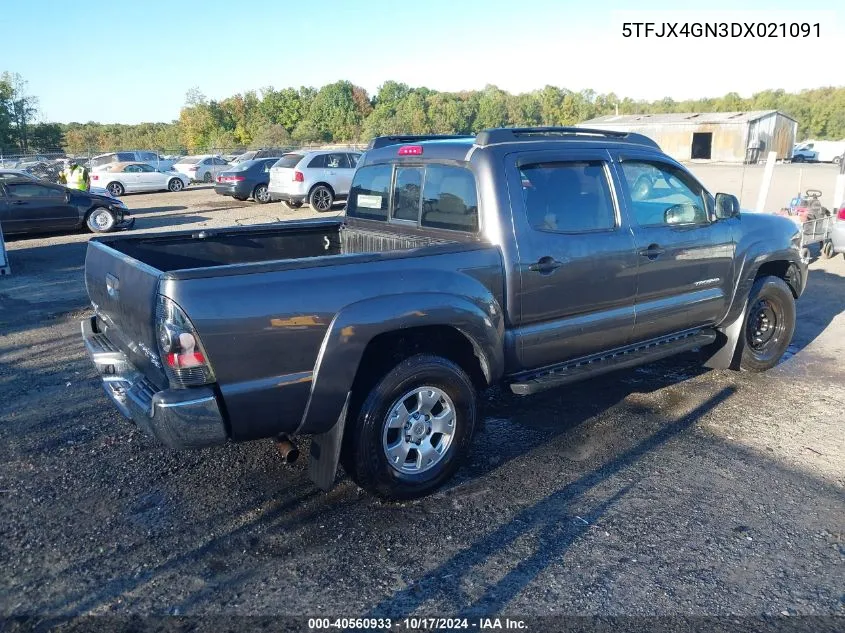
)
(325, 452)
(721, 354)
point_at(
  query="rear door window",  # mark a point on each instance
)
(450, 200)
(568, 197)
(369, 196)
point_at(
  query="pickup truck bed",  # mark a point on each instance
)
(203, 249)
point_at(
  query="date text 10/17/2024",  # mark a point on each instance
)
(417, 624)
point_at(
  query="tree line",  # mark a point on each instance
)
(344, 112)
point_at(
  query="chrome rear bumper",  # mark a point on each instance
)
(178, 418)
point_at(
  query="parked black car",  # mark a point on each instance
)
(248, 179)
(30, 206)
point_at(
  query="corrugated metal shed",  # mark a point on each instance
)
(721, 136)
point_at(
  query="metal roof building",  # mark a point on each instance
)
(719, 136)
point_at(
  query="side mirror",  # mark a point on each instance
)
(683, 214)
(727, 206)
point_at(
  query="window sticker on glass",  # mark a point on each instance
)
(369, 202)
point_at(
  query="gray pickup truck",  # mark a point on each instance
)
(532, 257)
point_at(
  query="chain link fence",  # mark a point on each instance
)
(48, 164)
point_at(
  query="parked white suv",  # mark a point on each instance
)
(319, 177)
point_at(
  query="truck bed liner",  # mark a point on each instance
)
(219, 248)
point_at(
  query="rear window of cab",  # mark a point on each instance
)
(430, 196)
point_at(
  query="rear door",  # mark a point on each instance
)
(685, 257)
(576, 257)
(35, 206)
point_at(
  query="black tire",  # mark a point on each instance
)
(836, 160)
(100, 220)
(806, 256)
(207, 177)
(769, 325)
(827, 250)
(261, 194)
(115, 189)
(294, 204)
(241, 198)
(364, 455)
(797, 159)
(175, 184)
(321, 198)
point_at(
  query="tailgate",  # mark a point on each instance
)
(123, 292)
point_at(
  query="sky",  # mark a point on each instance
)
(128, 62)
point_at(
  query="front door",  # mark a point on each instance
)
(149, 179)
(34, 206)
(577, 261)
(685, 255)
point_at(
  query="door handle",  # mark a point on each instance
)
(546, 265)
(652, 252)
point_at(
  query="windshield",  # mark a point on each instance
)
(288, 160)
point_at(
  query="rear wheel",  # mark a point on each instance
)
(175, 185)
(101, 220)
(827, 250)
(115, 189)
(321, 198)
(261, 194)
(413, 430)
(797, 159)
(207, 177)
(769, 325)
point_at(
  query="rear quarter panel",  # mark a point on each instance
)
(263, 331)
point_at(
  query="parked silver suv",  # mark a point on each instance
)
(318, 177)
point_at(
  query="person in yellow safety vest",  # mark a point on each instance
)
(75, 176)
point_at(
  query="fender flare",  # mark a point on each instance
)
(355, 326)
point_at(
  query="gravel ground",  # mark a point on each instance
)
(663, 490)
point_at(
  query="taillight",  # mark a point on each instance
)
(219, 178)
(94, 177)
(298, 176)
(411, 150)
(185, 360)
(841, 214)
(231, 178)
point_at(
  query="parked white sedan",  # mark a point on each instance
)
(120, 178)
(203, 168)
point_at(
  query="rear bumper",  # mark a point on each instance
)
(240, 189)
(287, 197)
(178, 418)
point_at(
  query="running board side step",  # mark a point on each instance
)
(620, 358)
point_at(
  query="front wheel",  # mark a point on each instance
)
(413, 430)
(261, 194)
(769, 325)
(321, 198)
(797, 159)
(175, 185)
(101, 220)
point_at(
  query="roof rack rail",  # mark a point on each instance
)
(513, 134)
(384, 141)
